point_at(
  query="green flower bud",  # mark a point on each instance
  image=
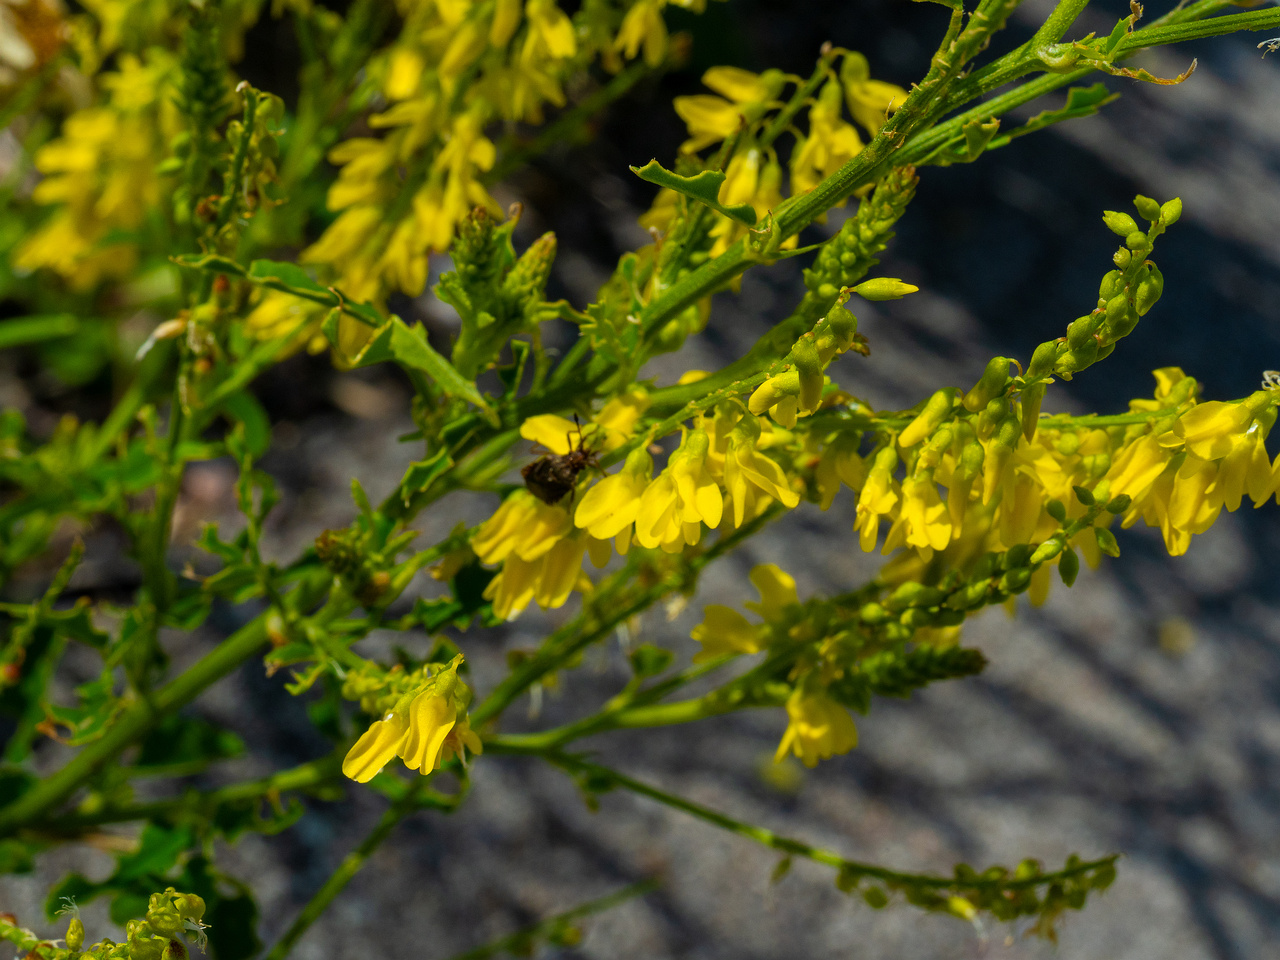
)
(1031, 398)
(1112, 284)
(1069, 566)
(1106, 541)
(1149, 289)
(1117, 306)
(873, 613)
(190, 906)
(1119, 504)
(992, 415)
(843, 325)
(75, 934)
(1138, 243)
(971, 460)
(913, 594)
(1171, 211)
(1057, 509)
(1121, 258)
(884, 288)
(785, 384)
(1084, 495)
(992, 384)
(1043, 360)
(1149, 209)
(1073, 361)
(1121, 224)
(1046, 551)
(1019, 555)
(1015, 581)
(1080, 331)
(809, 369)
(934, 412)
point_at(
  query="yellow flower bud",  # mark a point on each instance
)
(884, 288)
(934, 412)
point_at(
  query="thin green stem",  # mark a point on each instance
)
(349, 867)
(849, 869)
(307, 776)
(146, 712)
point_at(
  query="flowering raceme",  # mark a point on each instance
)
(426, 727)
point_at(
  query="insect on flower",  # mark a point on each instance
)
(551, 477)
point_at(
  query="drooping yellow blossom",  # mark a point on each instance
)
(777, 591)
(724, 630)
(819, 728)
(870, 101)
(375, 748)
(100, 174)
(830, 143)
(426, 727)
(609, 508)
(711, 119)
(747, 473)
(877, 498)
(923, 521)
(682, 498)
(522, 526)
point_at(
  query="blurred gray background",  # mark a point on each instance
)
(1139, 713)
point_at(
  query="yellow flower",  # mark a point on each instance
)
(375, 748)
(744, 468)
(674, 507)
(550, 31)
(724, 630)
(870, 101)
(711, 119)
(524, 526)
(777, 591)
(643, 26)
(877, 498)
(610, 507)
(416, 729)
(928, 525)
(431, 717)
(1211, 430)
(819, 728)
(831, 142)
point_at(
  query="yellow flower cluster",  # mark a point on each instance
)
(1180, 467)
(426, 727)
(456, 67)
(744, 104)
(718, 477)
(818, 727)
(100, 173)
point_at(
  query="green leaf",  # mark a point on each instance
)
(705, 188)
(289, 275)
(158, 850)
(36, 328)
(182, 741)
(244, 408)
(407, 346)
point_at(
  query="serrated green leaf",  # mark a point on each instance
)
(705, 188)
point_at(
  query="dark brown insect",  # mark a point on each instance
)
(552, 477)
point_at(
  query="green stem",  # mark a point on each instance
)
(304, 777)
(349, 867)
(145, 713)
(849, 869)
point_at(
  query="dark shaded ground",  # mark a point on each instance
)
(1139, 713)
